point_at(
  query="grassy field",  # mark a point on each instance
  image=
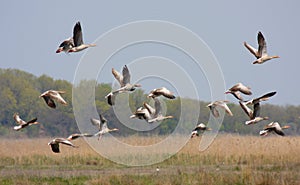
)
(231, 159)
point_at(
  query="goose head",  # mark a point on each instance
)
(286, 127)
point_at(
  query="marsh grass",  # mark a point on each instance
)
(231, 159)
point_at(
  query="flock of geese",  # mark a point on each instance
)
(237, 90)
(154, 114)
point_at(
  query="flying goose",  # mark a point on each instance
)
(260, 53)
(75, 43)
(146, 112)
(273, 127)
(252, 114)
(161, 92)
(221, 103)
(51, 95)
(102, 126)
(55, 144)
(75, 136)
(198, 128)
(237, 89)
(124, 81)
(22, 123)
(157, 114)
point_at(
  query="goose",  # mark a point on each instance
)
(198, 128)
(273, 127)
(124, 81)
(237, 89)
(252, 114)
(75, 43)
(22, 123)
(260, 53)
(221, 103)
(145, 112)
(161, 92)
(51, 95)
(157, 116)
(102, 126)
(75, 136)
(55, 144)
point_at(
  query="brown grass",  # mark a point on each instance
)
(231, 159)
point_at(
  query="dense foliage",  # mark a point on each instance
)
(19, 92)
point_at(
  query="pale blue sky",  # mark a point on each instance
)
(32, 30)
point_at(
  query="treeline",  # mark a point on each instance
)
(19, 92)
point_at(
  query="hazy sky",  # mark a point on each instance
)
(32, 30)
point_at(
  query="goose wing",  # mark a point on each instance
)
(111, 98)
(262, 46)
(166, 93)
(56, 95)
(157, 106)
(264, 97)
(252, 50)
(237, 95)
(256, 111)
(49, 101)
(214, 111)
(244, 89)
(77, 35)
(64, 141)
(18, 119)
(96, 122)
(150, 109)
(102, 119)
(225, 107)
(246, 109)
(118, 76)
(126, 75)
(55, 147)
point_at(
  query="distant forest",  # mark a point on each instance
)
(20, 91)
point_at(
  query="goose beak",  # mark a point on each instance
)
(59, 50)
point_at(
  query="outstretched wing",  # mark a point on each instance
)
(96, 122)
(262, 46)
(49, 101)
(77, 35)
(157, 106)
(102, 119)
(252, 50)
(126, 75)
(118, 76)
(55, 147)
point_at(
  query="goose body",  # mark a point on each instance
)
(275, 128)
(260, 53)
(161, 92)
(55, 144)
(51, 95)
(222, 104)
(21, 123)
(75, 43)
